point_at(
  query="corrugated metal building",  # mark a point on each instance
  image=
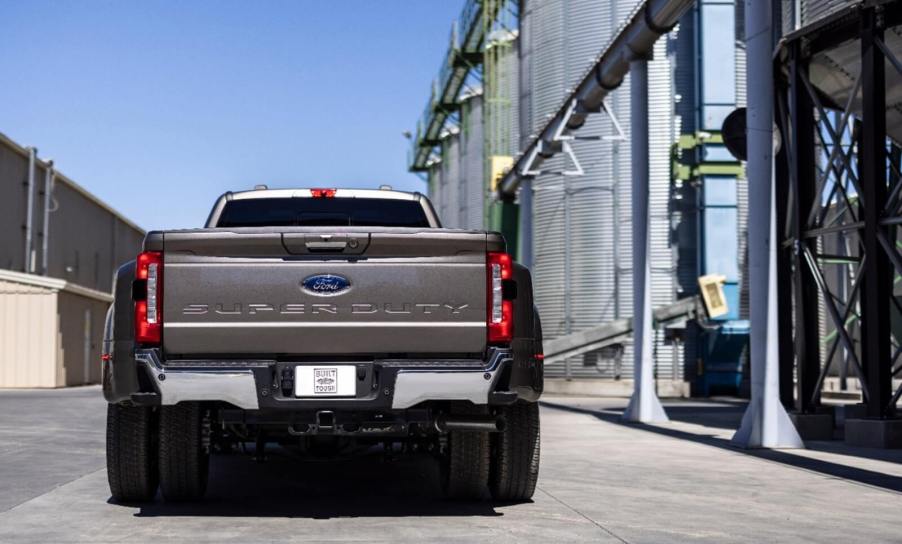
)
(472, 158)
(56, 267)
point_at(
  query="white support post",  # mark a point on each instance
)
(765, 423)
(644, 405)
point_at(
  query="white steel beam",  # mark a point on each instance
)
(765, 423)
(644, 405)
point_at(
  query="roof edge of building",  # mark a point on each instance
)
(54, 284)
(22, 150)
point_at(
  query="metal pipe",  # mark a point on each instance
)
(650, 20)
(27, 265)
(644, 404)
(45, 238)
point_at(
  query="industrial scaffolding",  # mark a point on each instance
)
(838, 177)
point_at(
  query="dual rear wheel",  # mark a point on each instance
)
(165, 447)
(506, 464)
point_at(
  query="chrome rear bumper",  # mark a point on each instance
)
(175, 385)
(412, 384)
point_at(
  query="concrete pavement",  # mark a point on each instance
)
(601, 481)
(48, 438)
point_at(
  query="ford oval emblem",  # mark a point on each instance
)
(325, 284)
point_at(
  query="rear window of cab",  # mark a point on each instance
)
(322, 212)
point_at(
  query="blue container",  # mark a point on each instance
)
(721, 355)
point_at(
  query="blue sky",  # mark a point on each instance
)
(158, 107)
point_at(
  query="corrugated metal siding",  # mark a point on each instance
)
(510, 68)
(51, 332)
(524, 102)
(28, 336)
(472, 165)
(662, 258)
(561, 41)
(787, 15)
(548, 70)
(742, 192)
(79, 359)
(814, 10)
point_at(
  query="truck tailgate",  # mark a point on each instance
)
(253, 292)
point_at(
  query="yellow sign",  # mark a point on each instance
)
(499, 165)
(712, 293)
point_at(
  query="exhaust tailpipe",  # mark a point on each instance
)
(486, 424)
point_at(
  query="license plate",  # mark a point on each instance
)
(325, 381)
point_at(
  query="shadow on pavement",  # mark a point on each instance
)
(289, 486)
(786, 457)
(721, 416)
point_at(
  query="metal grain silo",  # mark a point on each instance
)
(449, 211)
(436, 187)
(545, 18)
(581, 230)
(508, 74)
(472, 163)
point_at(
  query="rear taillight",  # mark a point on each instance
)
(322, 193)
(148, 295)
(499, 312)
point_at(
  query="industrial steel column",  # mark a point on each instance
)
(804, 198)
(784, 274)
(876, 270)
(765, 423)
(644, 405)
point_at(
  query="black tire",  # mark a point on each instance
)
(131, 453)
(467, 464)
(515, 454)
(184, 457)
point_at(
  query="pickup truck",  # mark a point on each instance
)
(322, 319)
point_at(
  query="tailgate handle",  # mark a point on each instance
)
(326, 246)
(346, 243)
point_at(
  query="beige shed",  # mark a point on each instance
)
(50, 331)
